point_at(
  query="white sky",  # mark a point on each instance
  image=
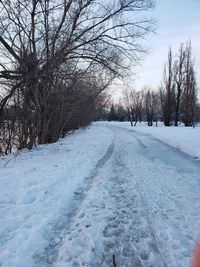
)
(177, 21)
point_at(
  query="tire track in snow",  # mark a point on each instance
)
(131, 227)
(165, 262)
(49, 256)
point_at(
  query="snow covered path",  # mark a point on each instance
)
(143, 207)
(140, 203)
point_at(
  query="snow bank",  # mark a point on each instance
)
(37, 192)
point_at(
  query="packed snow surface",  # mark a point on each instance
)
(108, 190)
(185, 139)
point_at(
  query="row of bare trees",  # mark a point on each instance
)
(174, 102)
(142, 106)
(179, 88)
(136, 106)
(57, 58)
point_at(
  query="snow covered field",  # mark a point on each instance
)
(108, 190)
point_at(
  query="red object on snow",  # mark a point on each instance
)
(196, 259)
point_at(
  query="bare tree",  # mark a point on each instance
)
(102, 105)
(189, 98)
(133, 101)
(121, 112)
(127, 104)
(179, 78)
(151, 106)
(167, 91)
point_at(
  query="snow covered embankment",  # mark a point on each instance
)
(38, 190)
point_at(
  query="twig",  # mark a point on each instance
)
(14, 157)
(114, 263)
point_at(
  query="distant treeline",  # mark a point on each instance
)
(173, 103)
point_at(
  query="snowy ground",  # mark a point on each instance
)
(108, 190)
(184, 138)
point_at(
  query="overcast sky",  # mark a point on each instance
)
(177, 21)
